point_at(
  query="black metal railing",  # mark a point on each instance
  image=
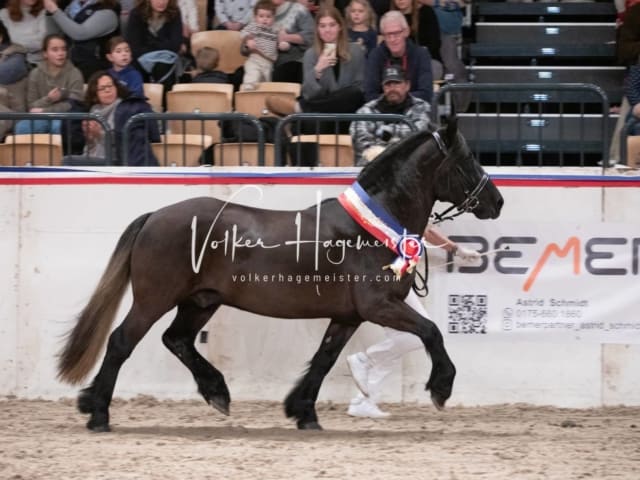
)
(28, 148)
(563, 124)
(324, 133)
(206, 126)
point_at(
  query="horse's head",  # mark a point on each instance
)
(409, 176)
(460, 179)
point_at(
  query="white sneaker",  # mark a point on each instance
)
(359, 372)
(366, 408)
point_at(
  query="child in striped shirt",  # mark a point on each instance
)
(260, 41)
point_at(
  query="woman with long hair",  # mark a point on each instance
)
(154, 31)
(333, 71)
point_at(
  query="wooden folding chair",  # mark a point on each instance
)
(227, 42)
(197, 102)
(244, 154)
(181, 149)
(254, 103)
(332, 150)
(205, 87)
(291, 87)
(154, 92)
(38, 149)
(633, 151)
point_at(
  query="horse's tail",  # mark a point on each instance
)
(85, 340)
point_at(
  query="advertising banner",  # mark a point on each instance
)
(548, 281)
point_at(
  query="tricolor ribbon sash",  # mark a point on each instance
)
(384, 227)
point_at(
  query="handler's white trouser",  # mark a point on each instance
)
(382, 355)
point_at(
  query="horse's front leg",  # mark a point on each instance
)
(301, 401)
(404, 317)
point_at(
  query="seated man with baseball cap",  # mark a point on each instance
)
(372, 137)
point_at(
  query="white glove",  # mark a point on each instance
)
(467, 254)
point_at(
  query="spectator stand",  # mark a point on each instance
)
(533, 124)
(544, 43)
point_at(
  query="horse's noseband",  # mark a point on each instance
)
(472, 200)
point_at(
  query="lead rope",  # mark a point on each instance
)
(422, 291)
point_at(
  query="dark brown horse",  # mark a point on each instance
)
(314, 263)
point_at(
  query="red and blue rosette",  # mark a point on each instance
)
(410, 249)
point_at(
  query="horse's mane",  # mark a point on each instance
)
(382, 172)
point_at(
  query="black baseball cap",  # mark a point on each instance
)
(393, 74)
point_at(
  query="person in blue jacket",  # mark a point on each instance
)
(111, 100)
(398, 50)
(119, 54)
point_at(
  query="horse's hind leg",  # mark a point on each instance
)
(180, 338)
(96, 398)
(300, 403)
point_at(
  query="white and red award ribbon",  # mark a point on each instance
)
(384, 227)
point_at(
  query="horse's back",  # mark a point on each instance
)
(255, 259)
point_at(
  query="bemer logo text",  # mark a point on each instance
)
(598, 255)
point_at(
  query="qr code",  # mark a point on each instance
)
(467, 314)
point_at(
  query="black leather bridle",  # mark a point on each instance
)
(471, 200)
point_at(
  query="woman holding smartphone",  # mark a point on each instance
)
(332, 71)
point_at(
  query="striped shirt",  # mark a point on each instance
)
(266, 39)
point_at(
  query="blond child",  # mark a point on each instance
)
(361, 22)
(207, 59)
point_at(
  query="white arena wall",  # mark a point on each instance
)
(58, 229)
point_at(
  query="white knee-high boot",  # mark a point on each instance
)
(380, 357)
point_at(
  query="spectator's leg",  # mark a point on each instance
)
(36, 126)
(252, 73)
(614, 145)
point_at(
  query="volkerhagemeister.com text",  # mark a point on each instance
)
(311, 278)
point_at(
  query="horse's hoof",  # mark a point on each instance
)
(438, 401)
(98, 427)
(309, 426)
(219, 403)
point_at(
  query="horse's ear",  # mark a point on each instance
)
(452, 129)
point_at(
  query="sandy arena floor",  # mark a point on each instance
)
(188, 440)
